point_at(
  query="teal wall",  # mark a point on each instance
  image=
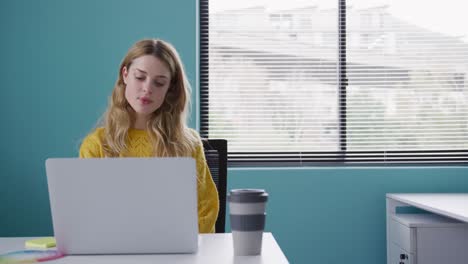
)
(60, 61)
(337, 215)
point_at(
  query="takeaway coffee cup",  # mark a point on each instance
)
(247, 215)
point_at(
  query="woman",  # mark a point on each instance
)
(146, 118)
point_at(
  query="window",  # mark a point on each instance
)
(395, 95)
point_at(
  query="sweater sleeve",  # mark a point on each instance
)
(208, 201)
(91, 147)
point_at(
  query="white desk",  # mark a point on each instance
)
(452, 205)
(213, 248)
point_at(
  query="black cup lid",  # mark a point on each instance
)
(247, 196)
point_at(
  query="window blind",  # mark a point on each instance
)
(343, 83)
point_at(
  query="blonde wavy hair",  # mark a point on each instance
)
(167, 125)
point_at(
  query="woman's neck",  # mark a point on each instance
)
(140, 122)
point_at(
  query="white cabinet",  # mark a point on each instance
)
(427, 239)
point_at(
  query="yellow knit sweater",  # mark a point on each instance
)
(139, 145)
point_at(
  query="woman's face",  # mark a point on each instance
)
(147, 81)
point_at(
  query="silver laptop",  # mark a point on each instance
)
(123, 205)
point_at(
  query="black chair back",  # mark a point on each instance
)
(216, 158)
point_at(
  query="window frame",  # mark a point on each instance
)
(327, 158)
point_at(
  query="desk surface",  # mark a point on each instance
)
(453, 205)
(213, 248)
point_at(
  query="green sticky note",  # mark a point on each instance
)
(45, 242)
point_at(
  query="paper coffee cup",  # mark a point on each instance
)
(247, 215)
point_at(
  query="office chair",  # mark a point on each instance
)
(216, 158)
